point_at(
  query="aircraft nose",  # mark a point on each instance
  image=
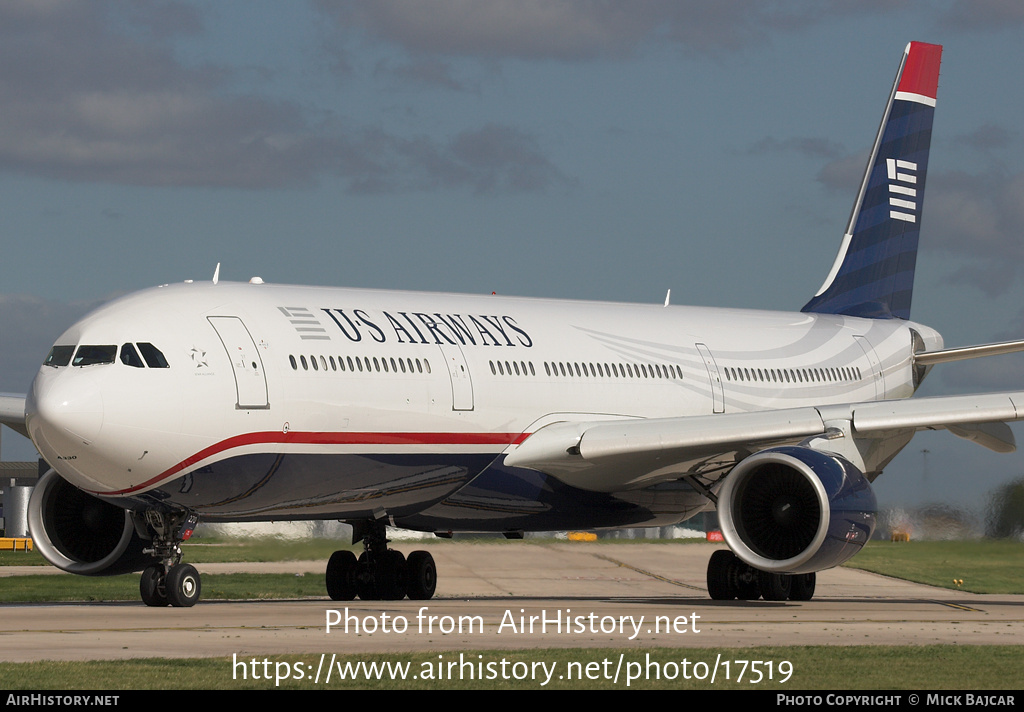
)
(64, 411)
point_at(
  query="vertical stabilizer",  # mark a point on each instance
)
(873, 275)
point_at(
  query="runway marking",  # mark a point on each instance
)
(958, 606)
(645, 572)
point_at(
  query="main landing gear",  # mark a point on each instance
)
(170, 582)
(730, 578)
(380, 573)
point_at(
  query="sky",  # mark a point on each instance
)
(587, 149)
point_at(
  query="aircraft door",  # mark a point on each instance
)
(876, 375)
(458, 371)
(246, 362)
(717, 394)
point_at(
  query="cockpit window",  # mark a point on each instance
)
(130, 357)
(92, 355)
(59, 356)
(154, 358)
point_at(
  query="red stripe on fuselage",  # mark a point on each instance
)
(299, 438)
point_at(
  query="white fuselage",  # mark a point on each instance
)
(365, 376)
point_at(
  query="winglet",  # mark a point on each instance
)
(873, 274)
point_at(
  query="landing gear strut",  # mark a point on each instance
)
(730, 578)
(379, 573)
(170, 581)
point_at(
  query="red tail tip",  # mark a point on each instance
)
(921, 70)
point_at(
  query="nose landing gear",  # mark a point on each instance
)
(170, 582)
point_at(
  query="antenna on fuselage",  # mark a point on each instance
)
(216, 274)
(668, 295)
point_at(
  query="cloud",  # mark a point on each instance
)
(979, 217)
(424, 71)
(28, 328)
(975, 216)
(93, 92)
(575, 30)
(844, 173)
(995, 373)
(85, 101)
(497, 29)
(984, 139)
(806, 146)
(983, 15)
(495, 158)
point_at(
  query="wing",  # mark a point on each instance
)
(610, 456)
(12, 412)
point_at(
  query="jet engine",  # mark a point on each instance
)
(794, 510)
(82, 534)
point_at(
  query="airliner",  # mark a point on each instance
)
(247, 402)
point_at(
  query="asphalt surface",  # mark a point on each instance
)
(513, 596)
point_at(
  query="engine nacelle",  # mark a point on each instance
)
(82, 534)
(795, 510)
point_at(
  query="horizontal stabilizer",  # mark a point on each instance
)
(963, 353)
(12, 412)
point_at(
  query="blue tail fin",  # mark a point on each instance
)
(873, 275)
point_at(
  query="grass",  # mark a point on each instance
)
(22, 558)
(934, 667)
(227, 587)
(205, 551)
(209, 550)
(984, 566)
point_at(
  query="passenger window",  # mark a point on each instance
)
(154, 357)
(130, 357)
(59, 356)
(93, 355)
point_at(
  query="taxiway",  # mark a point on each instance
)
(635, 595)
